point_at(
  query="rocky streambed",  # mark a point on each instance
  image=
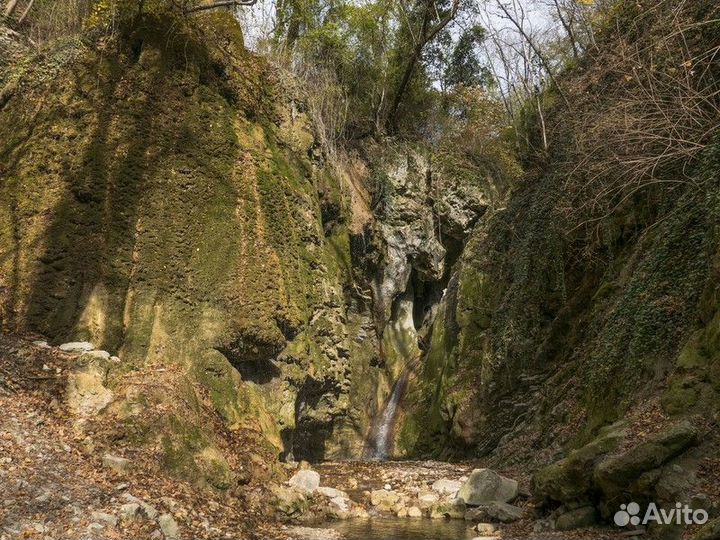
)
(405, 499)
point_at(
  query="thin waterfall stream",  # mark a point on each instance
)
(381, 446)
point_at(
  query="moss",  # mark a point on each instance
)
(680, 396)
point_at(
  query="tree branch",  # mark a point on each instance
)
(221, 3)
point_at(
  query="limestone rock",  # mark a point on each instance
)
(446, 486)
(77, 347)
(291, 501)
(384, 500)
(584, 516)
(86, 391)
(485, 529)
(484, 485)
(331, 493)
(104, 518)
(306, 480)
(427, 499)
(116, 463)
(129, 511)
(168, 526)
(414, 512)
(494, 511)
(451, 510)
(146, 508)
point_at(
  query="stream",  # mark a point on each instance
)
(381, 528)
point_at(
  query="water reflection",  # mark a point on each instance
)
(403, 529)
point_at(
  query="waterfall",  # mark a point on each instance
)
(381, 445)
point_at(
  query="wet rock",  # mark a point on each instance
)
(485, 529)
(77, 347)
(494, 512)
(484, 485)
(579, 518)
(450, 510)
(116, 463)
(168, 526)
(414, 512)
(306, 480)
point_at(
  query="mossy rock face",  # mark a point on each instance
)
(616, 474)
(154, 203)
(571, 478)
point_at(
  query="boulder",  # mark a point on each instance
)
(579, 518)
(494, 512)
(485, 485)
(306, 480)
(570, 478)
(445, 486)
(615, 475)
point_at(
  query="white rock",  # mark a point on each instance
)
(41, 344)
(414, 512)
(77, 346)
(427, 499)
(485, 485)
(306, 480)
(447, 486)
(387, 487)
(331, 492)
(103, 355)
(168, 526)
(341, 502)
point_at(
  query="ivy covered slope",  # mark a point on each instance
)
(589, 342)
(162, 198)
